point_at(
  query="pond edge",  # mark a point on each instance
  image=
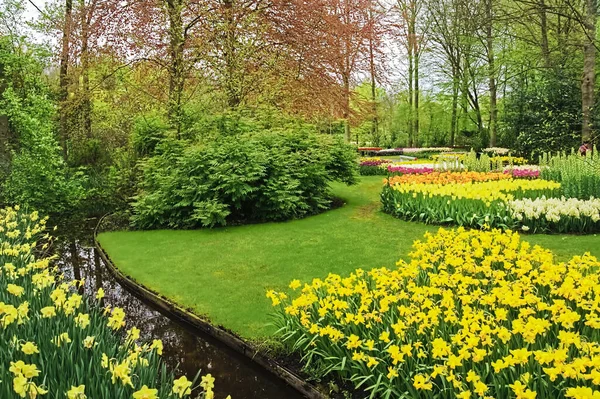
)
(227, 338)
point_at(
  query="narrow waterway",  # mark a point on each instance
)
(185, 349)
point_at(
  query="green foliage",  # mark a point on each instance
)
(247, 178)
(474, 163)
(38, 176)
(579, 176)
(148, 132)
(543, 115)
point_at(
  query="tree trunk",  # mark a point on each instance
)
(544, 34)
(464, 119)
(86, 112)
(492, 74)
(374, 121)
(234, 97)
(176, 73)
(455, 89)
(416, 79)
(63, 77)
(346, 114)
(589, 71)
(410, 90)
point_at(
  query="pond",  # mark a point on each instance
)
(185, 349)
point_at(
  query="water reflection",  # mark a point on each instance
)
(184, 349)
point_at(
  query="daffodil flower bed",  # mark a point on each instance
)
(464, 199)
(57, 343)
(471, 314)
(560, 215)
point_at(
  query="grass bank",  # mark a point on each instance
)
(223, 273)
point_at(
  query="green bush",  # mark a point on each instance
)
(37, 176)
(238, 179)
(148, 132)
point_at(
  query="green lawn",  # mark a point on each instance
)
(223, 273)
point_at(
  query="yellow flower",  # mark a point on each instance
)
(20, 385)
(100, 294)
(359, 356)
(27, 370)
(29, 348)
(76, 392)
(133, 334)
(158, 345)
(48, 311)
(61, 339)
(89, 342)
(582, 393)
(295, 284)
(392, 373)
(146, 393)
(182, 386)
(421, 382)
(353, 342)
(121, 371)
(82, 320)
(16, 367)
(372, 362)
(208, 382)
(464, 395)
(15, 290)
(384, 336)
(117, 319)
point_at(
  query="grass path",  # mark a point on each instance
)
(223, 273)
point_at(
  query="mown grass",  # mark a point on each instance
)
(223, 273)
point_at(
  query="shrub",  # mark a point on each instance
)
(247, 178)
(472, 314)
(148, 132)
(56, 342)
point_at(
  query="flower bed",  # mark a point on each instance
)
(429, 176)
(460, 199)
(523, 173)
(58, 343)
(410, 170)
(560, 215)
(472, 314)
(373, 166)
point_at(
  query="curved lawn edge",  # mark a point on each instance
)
(234, 342)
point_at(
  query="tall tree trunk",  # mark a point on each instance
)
(544, 33)
(455, 89)
(410, 90)
(64, 78)
(346, 113)
(176, 72)
(417, 93)
(232, 83)
(491, 73)
(86, 101)
(464, 91)
(374, 121)
(589, 70)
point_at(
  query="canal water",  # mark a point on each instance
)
(185, 350)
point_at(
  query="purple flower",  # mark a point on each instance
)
(408, 170)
